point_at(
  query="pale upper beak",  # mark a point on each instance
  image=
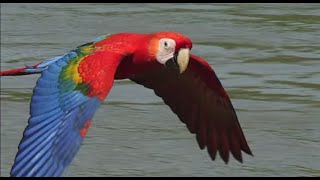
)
(180, 60)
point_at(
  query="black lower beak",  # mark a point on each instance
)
(172, 63)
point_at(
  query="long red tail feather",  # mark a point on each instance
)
(14, 72)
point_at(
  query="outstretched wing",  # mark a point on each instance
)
(64, 101)
(200, 101)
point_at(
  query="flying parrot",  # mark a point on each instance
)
(72, 86)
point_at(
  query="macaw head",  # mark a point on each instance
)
(170, 49)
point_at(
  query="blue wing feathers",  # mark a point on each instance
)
(35, 159)
(44, 166)
(29, 158)
(45, 155)
(63, 61)
(52, 169)
(46, 124)
(29, 147)
(44, 107)
(27, 167)
(49, 61)
(58, 171)
(49, 76)
(54, 68)
(45, 91)
(35, 130)
(47, 84)
(71, 54)
(40, 118)
(34, 70)
(38, 99)
(68, 149)
(76, 102)
(35, 112)
(72, 152)
(69, 135)
(32, 141)
(58, 112)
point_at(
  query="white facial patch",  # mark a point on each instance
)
(166, 49)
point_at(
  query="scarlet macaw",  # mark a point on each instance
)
(72, 86)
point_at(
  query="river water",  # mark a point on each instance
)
(266, 55)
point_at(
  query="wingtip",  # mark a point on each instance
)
(248, 151)
(225, 160)
(212, 153)
(251, 154)
(224, 156)
(238, 157)
(201, 144)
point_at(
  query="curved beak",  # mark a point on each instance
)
(180, 60)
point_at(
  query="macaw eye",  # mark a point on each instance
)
(166, 44)
(166, 48)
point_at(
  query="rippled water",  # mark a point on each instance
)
(266, 55)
